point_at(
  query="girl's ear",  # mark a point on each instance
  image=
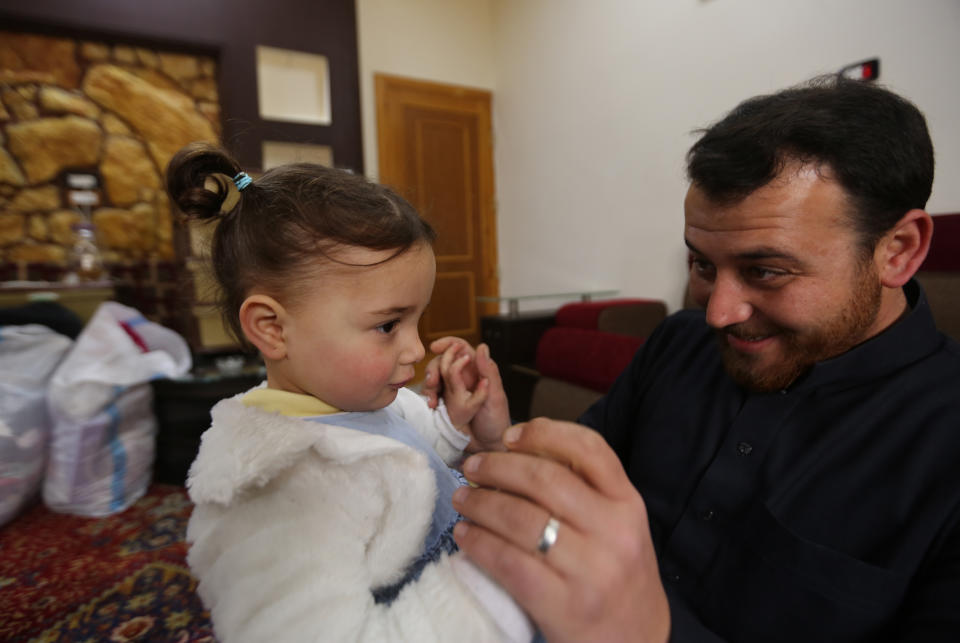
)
(902, 250)
(262, 319)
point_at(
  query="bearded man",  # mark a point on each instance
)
(783, 465)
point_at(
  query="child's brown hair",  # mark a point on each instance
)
(284, 220)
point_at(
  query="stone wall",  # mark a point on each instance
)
(112, 110)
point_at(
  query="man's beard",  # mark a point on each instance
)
(800, 350)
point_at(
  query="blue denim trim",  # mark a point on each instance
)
(444, 545)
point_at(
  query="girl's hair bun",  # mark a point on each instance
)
(199, 179)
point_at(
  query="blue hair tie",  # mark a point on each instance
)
(242, 180)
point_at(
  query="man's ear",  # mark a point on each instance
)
(262, 319)
(901, 251)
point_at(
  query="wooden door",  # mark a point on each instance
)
(436, 149)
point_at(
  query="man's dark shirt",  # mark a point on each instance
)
(828, 511)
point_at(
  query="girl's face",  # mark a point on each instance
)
(352, 339)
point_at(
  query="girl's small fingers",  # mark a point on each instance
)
(454, 376)
(440, 345)
(456, 368)
(447, 359)
(432, 384)
(479, 395)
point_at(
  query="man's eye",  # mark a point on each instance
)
(387, 327)
(764, 274)
(701, 267)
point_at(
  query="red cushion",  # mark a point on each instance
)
(590, 358)
(944, 252)
(584, 314)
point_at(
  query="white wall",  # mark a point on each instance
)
(449, 41)
(594, 104)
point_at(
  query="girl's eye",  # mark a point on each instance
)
(387, 327)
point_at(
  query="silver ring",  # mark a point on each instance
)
(549, 536)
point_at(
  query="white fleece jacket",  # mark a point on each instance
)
(296, 521)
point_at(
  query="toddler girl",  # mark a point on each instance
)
(322, 497)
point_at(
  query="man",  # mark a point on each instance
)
(785, 464)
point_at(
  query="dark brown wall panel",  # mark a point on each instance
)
(230, 30)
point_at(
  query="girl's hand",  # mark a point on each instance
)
(464, 391)
(493, 416)
(433, 381)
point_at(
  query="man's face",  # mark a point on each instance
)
(781, 276)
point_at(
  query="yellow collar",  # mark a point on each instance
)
(287, 403)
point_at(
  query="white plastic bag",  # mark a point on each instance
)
(28, 356)
(104, 431)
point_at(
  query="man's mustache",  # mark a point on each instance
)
(744, 332)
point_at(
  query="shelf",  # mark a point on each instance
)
(513, 301)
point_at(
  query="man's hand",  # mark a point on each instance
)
(493, 417)
(600, 580)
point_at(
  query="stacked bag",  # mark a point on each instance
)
(29, 354)
(76, 417)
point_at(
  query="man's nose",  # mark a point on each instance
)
(727, 303)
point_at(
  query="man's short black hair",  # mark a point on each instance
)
(873, 142)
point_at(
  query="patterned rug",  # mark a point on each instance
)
(120, 578)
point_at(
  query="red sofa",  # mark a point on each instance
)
(579, 357)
